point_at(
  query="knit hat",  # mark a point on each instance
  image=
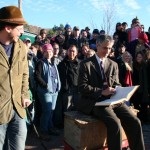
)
(11, 14)
(76, 28)
(67, 26)
(27, 40)
(118, 24)
(95, 31)
(87, 28)
(135, 20)
(102, 32)
(47, 47)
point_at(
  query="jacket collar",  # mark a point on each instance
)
(17, 49)
(2, 51)
(106, 65)
(76, 60)
(95, 65)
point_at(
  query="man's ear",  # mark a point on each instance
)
(8, 29)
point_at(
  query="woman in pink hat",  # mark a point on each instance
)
(48, 85)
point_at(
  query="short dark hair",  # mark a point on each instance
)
(36, 45)
(102, 38)
(73, 46)
(42, 31)
(124, 23)
(4, 24)
(85, 44)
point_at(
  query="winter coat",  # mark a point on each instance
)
(13, 82)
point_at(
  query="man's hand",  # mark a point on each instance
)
(26, 103)
(108, 91)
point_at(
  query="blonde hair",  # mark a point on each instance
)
(130, 62)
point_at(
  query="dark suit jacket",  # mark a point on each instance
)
(91, 83)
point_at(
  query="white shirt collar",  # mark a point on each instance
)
(99, 59)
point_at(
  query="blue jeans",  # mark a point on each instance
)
(48, 102)
(13, 134)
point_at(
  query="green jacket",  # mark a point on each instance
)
(13, 82)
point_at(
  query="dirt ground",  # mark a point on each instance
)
(57, 142)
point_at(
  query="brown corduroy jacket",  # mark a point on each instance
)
(13, 82)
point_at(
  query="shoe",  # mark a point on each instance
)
(54, 131)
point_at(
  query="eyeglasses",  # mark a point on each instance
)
(43, 33)
(107, 48)
(20, 29)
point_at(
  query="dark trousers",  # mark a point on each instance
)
(70, 99)
(130, 123)
(66, 101)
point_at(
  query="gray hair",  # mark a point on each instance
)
(104, 38)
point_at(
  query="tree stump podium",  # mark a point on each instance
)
(83, 132)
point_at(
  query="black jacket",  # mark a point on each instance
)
(68, 72)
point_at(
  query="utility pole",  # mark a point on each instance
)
(20, 4)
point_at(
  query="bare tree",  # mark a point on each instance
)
(93, 25)
(109, 11)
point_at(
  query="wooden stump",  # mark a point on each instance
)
(85, 132)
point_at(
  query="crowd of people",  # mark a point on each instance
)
(70, 48)
(67, 72)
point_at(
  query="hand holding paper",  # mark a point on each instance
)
(122, 94)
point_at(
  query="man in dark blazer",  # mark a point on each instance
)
(92, 87)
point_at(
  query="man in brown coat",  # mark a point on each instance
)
(14, 97)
